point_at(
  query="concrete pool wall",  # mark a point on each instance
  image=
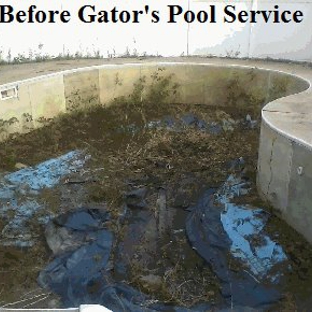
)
(281, 91)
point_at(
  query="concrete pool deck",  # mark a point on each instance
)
(32, 91)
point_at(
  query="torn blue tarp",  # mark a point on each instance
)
(217, 228)
(83, 275)
(48, 173)
(244, 226)
(20, 193)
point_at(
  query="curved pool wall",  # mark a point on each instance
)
(284, 175)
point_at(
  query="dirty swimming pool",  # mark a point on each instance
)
(145, 208)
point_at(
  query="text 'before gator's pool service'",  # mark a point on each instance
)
(171, 14)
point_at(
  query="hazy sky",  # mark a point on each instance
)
(161, 38)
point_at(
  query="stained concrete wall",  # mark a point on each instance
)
(284, 164)
(15, 109)
(44, 97)
(285, 178)
(81, 89)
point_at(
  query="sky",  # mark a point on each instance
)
(162, 38)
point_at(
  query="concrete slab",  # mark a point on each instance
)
(295, 126)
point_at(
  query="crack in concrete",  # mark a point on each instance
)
(283, 112)
(271, 172)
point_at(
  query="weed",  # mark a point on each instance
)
(279, 87)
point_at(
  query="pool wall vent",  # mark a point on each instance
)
(9, 93)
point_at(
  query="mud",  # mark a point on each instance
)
(131, 199)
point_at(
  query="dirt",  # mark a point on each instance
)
(126, 153)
